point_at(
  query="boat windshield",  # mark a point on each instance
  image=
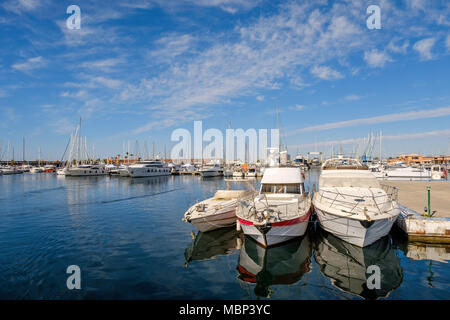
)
(348, 182)
(282, 188)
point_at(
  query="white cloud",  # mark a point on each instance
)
(352, 97)
(405, 136)
(297, 107)
(21, 6)
(423, 47)
(230, 6)
(104, 64)
(30, 64)
(170, 47)
(394, 117)
(260, 98)
(376, 59)
(62, 126)
(326, 73)
(395, 46)
(107, 82)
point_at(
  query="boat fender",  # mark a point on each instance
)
(367, 224)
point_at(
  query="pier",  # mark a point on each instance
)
(415, 222)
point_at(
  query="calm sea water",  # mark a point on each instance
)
(130, 243)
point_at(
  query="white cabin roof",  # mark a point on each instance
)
(348, 178)
(282, 176)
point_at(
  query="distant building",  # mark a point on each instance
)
(417, 159)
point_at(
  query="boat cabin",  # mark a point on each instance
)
(282, 181)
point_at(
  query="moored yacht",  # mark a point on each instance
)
(228, 172)
(438, 172)
(148, 169)
(402, 171)
(87, 170)
(238, 172)
(281, 210)
(251, 173)
(36, 170)
(211, 170)
(122, 170)
(351, 203)
(9, 170)
(216, 212)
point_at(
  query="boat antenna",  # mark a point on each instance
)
(278, 127)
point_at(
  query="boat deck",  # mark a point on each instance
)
(413, 194)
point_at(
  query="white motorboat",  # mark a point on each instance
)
(63, 171)
(378, 171)
(228, 172)
(188, 168)
(260, 268)
(238, 172)
(252, 173)
(347, 265)
(87, 170)
(280, 212)
(148, 169)
(402, 171)
(9, 170)
(36, 170)
(211, 170)
(351, 203)
(123, 170)
(216, 212)
(438, 172)
(25, 168)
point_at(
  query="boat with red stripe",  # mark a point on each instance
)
(280, 212)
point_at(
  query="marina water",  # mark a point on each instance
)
(127, 237)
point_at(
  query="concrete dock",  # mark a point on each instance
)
(414, 221)
(413, 194)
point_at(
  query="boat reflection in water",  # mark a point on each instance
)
(346, 264)
(284, 264)
(209, 245)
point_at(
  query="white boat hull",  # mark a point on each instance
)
(211, 173)
(352, 230)
(222, 219)
(148, 172)
(278, 232)
(407, 174)
(85, 172)
(63, 172)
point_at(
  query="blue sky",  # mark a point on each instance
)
(137, 70)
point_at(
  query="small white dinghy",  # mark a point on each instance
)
(218, 211)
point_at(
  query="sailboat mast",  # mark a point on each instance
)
(380, 145)
(278, 127)
(23, 152)
(79, 143)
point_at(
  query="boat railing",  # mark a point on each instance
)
(284, 210)
(359, 202)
